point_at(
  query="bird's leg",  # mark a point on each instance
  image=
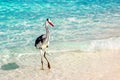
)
(42, 64)
(41, 60)
(46, 59)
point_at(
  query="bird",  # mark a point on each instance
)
(42, 42)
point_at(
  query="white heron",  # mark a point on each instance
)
(42, 42)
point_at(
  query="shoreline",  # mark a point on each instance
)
(111, 43)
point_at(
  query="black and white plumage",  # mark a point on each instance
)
(42, 42)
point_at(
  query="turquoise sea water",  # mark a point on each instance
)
(76, 22)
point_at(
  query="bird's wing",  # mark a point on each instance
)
(40, 39)
(43, 36)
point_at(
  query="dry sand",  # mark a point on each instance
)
(71, 65)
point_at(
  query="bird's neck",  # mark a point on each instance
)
(47, 31)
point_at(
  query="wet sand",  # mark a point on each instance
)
(70, 65)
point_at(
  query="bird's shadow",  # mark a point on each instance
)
(9, 66)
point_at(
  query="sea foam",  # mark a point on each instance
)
(103, 44)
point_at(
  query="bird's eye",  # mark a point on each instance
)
(47, 19)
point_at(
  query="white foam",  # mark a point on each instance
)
(111, 43)
(2, 33)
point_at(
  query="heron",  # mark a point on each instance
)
(42, 42)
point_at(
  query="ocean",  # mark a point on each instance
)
(79, 25)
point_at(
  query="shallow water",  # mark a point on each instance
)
(76, 23)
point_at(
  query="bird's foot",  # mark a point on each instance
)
(42, 68)
(49, 66)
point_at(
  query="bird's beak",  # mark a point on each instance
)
(51, 23)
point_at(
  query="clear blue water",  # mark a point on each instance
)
(75, 21)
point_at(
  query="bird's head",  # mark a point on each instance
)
(48, 21)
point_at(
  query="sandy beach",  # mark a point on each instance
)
(84, 38)
(69, 65)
